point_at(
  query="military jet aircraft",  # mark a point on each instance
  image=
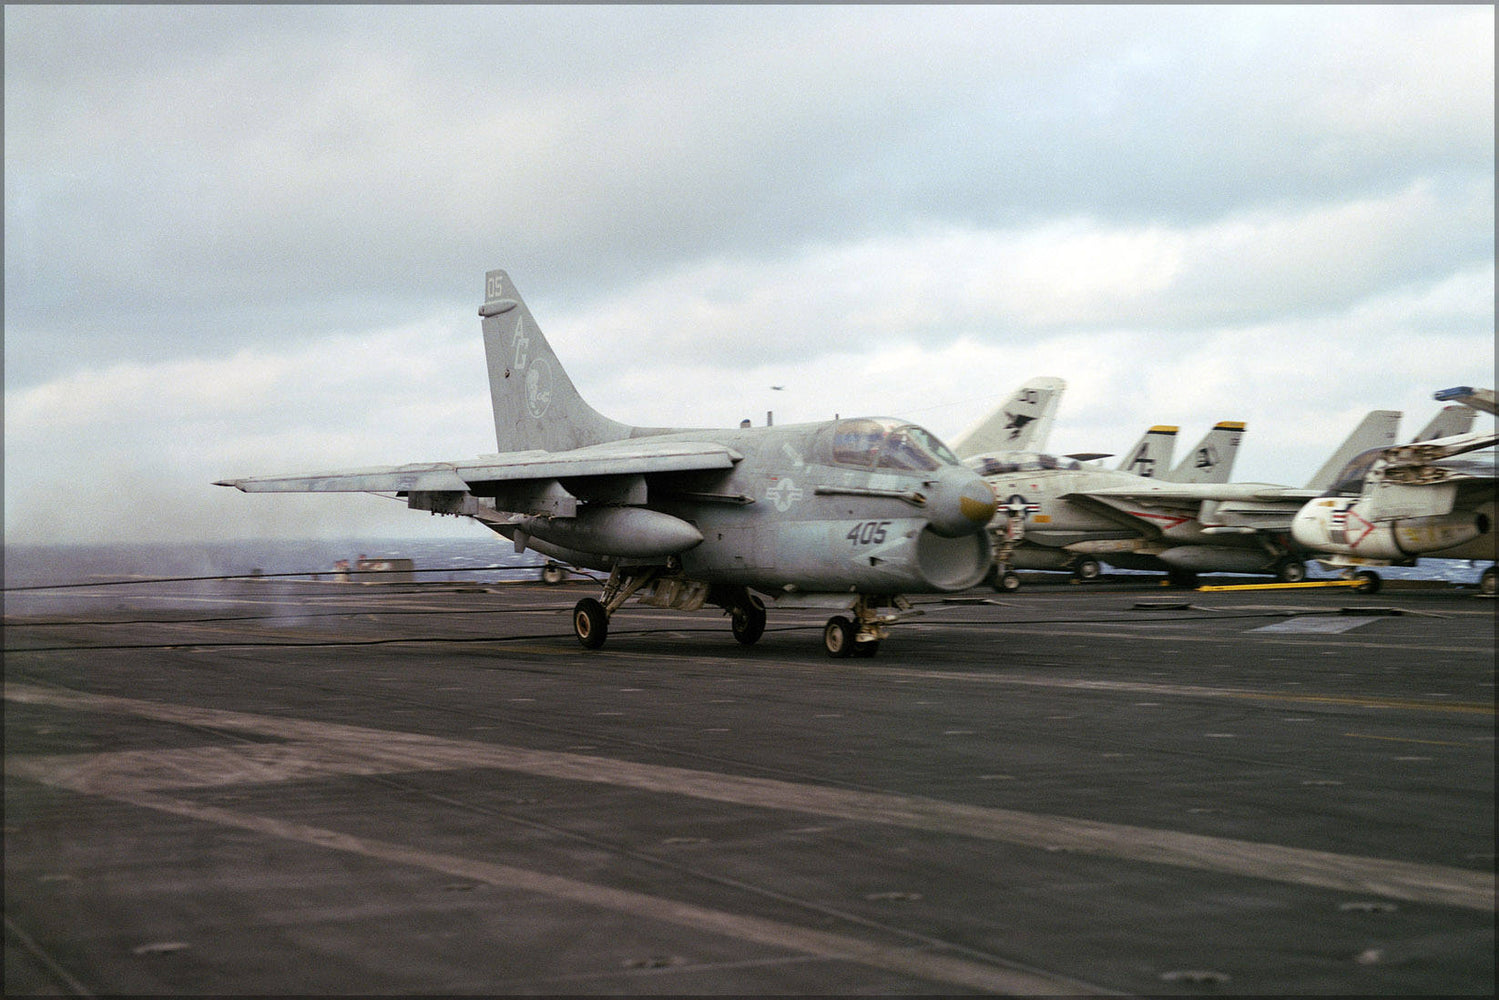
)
(848, 515)
(1390, 506)
(1056, 513)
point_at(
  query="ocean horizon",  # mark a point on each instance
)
(436, 560)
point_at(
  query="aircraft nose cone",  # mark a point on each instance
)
(963, 504)
(977, 502)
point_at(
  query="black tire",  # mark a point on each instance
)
(864, 650)
(748, 621)
(1368, 581)
(1291, 571)
(1488, 583)
(590, 623)
(551, 573)
(1182, 579)
(1087, 569)
(1006, 582)
(838, 637)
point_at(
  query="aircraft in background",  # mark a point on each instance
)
(1058, 514)
(1046, 519)
(1020, 423)
(848, 515)
(1390, 506)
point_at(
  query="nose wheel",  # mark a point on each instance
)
(840, 637)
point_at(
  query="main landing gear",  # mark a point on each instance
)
(856, 634)
(658, 587)
(1086, 569)
(1290, 571)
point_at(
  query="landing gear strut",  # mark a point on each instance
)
(591, 617)
(861, 636)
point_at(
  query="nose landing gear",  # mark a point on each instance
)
(843, 637)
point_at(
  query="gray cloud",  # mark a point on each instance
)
(699, 195)
(290, 168)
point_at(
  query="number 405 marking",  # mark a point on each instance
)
(868, 533)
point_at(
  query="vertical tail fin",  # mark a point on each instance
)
(1020, 424)
(1212, 460)
(535, 403)
(1449, 421)
(1150, 455)
(1376, 430)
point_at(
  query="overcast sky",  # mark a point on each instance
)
(249, 240)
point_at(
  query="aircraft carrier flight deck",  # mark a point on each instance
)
(274, 786)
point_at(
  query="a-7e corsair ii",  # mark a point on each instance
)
(847, 515)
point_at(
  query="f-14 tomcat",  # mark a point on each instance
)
(1390, 506)
(848, 515)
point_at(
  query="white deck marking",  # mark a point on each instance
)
(1320, 625)
(321, 749)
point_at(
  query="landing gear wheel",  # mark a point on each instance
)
(864, 650)
(551, 573)
(590, 623)
(748, 621)
(1006, 582)
(1291, 571)
(1368, 582)
(1182, 579)
(1488, 583)
(838, 637)
(1085, 570)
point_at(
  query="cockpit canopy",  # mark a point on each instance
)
(883, 443)
(1350, 481)
(1019, 461)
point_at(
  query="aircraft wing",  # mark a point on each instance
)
(618, 458)
(1166, 492)
(1479, 399)
(1232, 508)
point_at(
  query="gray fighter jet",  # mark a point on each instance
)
(1056, 513)
(848, 515)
